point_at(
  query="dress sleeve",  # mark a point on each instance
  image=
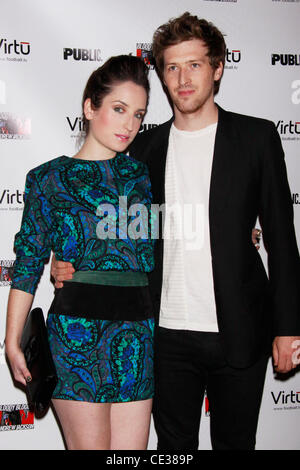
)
(33, 241)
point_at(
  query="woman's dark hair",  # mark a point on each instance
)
(116, 70)
(185, 28)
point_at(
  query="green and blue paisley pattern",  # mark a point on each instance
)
(62, 197)
(102, 361)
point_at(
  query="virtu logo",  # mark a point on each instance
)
(14, 47)
(283, 398)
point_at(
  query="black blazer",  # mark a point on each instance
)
(248, 180)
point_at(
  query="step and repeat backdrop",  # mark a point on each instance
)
(47, 52)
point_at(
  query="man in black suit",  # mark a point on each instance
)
(217, 337)
(217, 310)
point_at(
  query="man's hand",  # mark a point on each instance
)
(256, 234)
(61, 271)
(286, 353)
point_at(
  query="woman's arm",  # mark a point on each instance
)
(33, 247)
(19, 304)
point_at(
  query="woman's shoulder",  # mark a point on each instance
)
(46, 168)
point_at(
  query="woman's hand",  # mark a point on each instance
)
(18, 306)
(18, 364)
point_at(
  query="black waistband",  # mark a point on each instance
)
(115, 303)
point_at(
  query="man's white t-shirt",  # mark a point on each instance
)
(188, 300)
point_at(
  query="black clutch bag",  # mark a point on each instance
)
(35, 346)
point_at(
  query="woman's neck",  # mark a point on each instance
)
(94, 151)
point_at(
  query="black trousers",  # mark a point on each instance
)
(188, 363)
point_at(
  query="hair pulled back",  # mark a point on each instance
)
(116, 70)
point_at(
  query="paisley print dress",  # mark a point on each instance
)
(102, 353)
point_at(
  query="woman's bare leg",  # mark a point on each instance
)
(130, 423)
(86, 426)
(104, 426)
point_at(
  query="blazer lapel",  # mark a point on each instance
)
(157, 162)
(224, 160)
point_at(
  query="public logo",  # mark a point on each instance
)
(13, 50)
(144, 50)
(92, 55)
(285, 59)
(16, 417)
(14, 127)
(6, 271)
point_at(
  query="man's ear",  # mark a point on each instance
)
(218, 72)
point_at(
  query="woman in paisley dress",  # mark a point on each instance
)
(92, 210)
